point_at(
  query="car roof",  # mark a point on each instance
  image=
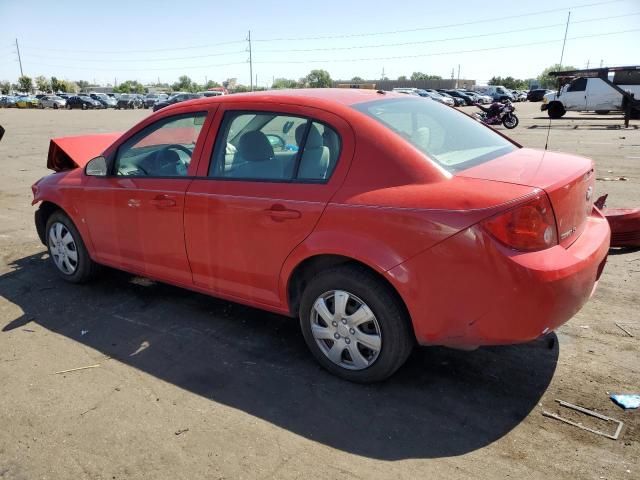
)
(318, 97)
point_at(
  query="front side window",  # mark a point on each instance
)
(578, 85)
(452, 139)
(268, 146)
(163, 149)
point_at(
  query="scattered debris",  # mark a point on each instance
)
(84, 332)
(76, 369)
(623, 329)
(87, 411)
(585, 326)
(181, 431)
(626, 401)
(28, 330)
(142, 281)
(624, 223)
(612, 179)
(586, 412)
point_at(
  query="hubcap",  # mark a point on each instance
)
(346, 330)
(62, 248)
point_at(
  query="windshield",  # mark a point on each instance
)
(452, 139)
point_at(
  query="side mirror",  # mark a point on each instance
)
(96, 167)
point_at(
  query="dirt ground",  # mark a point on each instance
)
(186, 386)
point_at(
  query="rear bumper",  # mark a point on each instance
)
(470, 291)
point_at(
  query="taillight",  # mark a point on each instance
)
(528, 227)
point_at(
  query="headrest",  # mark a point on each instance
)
(314, 140)
(254, 146)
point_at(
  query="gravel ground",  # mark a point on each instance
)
(188, 386)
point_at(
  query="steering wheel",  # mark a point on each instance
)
(175, 146)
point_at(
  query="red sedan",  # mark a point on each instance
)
(380, 220)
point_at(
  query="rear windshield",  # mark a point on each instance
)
(452, 139)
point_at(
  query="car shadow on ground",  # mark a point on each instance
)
(441, 403)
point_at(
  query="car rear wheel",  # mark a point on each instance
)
(355, 325)
(84, 106)
(69, 106)
(55, 106)
(67, 250)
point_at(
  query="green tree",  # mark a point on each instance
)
(25, 83)
(509, 82)
(402, 78)
(42, 83)
(82, 84)
(357, 79)
(5, 87)
(211, 84)
(55, 84)
(424, 76)
(318, 79)
(547, 81)
(184, 84)
(130, 86)
(284, 83)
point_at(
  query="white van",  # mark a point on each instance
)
(587, 94)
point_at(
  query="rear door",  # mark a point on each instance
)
(270, 175)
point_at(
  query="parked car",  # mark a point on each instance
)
(128, 100)
(173, 99)
(53, 101)
(96, 103)
(455, 93)
(66, 96)
(105, 100)
(498, 93)
(83, 102)
(8, 101)
(538, 94)
(27, 101)
(437, 97)
(388, 211)
(477, 98)
(458, 101)
(151, 98)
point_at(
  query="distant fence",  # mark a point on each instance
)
(391, 84)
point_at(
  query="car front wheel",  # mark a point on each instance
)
(67, 250)
(355, 325)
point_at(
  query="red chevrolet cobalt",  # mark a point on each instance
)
(380, 220)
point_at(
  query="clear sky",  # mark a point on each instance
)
(151, 40)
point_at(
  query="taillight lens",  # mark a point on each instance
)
(528, 227)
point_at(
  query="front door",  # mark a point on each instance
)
(270, 177)
(575, 98)
(135, 216)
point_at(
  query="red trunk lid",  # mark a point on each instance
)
(66, 153)
(568, 180)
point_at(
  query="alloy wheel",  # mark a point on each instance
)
(62, 248)
(346, 330)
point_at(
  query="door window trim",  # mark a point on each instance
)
(228, 115)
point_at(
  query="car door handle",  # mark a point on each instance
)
(163, 201)
(279, 212)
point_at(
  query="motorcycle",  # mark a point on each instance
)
(504, 116)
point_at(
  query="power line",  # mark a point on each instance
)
(450, 52)
(191, 67)
(191, 47)
(129, 60)
(466, 37)
(435, 27)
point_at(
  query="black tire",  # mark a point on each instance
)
(84, 106)
(397, 339)
(85, 268)
(69, 107)
(556, 110)
(510, 121)
(55, 106)
(602, 112)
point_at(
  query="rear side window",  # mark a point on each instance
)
(452, 139)
(266, 146)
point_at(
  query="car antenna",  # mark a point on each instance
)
(564, 42)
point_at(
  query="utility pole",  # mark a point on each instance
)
(452, 73)
(588, 64)
(458, 80)
(601, 63)
(565, 36)
(19, 59)
(250, 61)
